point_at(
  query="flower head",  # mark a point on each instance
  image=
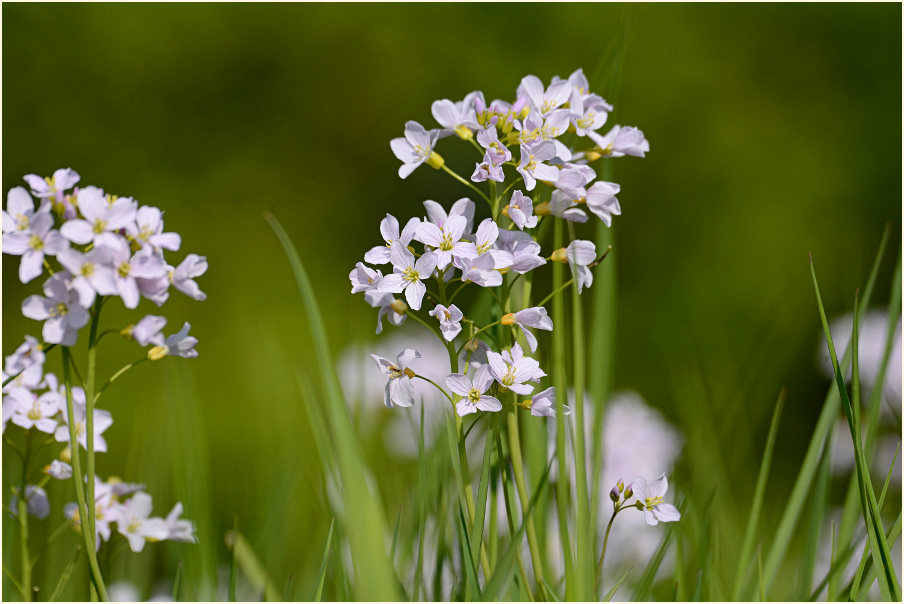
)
(399, 389)
(416, 148)
(449, 320)
(473, 391)
(650, 501)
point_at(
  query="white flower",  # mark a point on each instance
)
(133, 522)
(92, 272)
(416, 148)
(650, 500)
(61, 310)
(103, 217)
(147, 330)
(32, 411)
(53, 186)
(408, 275)
(579, 255)
(399, 389)
(459, 117)
(532, 167)
(33, 243)
(36, 502)
(521, 211)
(621, 140)
(364, 278)
(59, 470)
(543, 404)
(147, 230)
(512, 369)
(535, 317)
(472, 390)
(179, 344)
(180, 530)
(389, 229)
(102, 421)
(20, 211)
(182, 278)
(388, 305)
(446, 240)
(449, 320)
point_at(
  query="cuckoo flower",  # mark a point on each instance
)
(524, 250)
(544, 100)
(532, 167)
(364, 278)
(53, 186)
(33, 244)
(620, 141)
(92, 272)
(179, 530)
(602, 202)
(399, 389)
(535, 317)
(446, 240)
(649, 500)
(102, 421)
(543, 404)
(479, 270)
(416, 148)
(61, 310)
(521, 210)
(388, 305)
(128, 268)
(134, 524)
(408, 275)
(472, 390)
(389, 229)
(511, 369)
(456, 117)
(102, 217)
(20, 211)
(148, 330)
(449, 320)
(183, 276)
(437, 215)
(147, 230)
(579, 255)
(32, 411)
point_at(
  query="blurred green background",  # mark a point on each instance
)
(775, 130)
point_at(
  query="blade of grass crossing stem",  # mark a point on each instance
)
(317, 592)
(365, 528)
(482, 490)
(758, 496)
(888, 582)
(611, 593)
(857, 577)
(177, 582)
(584, 547)
(645, 584)
(819, 499)
(560, 382)
(809, 466)
(254, 571)
(503, 568)
(65, 575)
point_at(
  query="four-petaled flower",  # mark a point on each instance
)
(449, 320)
(512, 369)
(399, 389)
(649, 500)
(408, 275)
(416, 148)
(472, 390)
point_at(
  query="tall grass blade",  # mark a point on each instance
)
(611, 593)
(888, 582)
(254, 571)
(317, 592)
(177, 582)
(482, 490)
(645, 584)
(870, 575)
(365, 527)
(758, 496)
(473, 586)
(819, 500)
(67, 574)
(808, 467)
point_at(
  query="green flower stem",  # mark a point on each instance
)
(89, 414)
(467, 183)
(599, 567)
(22, 509)
(455, 293)
(518, 467)
(117, 375)
(493, 324)
(96, 578)
(511, 186)
(559, 288)
(438, 387)
(495, 199)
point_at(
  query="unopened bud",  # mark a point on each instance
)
(542, 209)
(66, 454)
(629, 493)
(614, 494)
(156, 353)
(399, 307)
(621, 485)
(592, 155)
(435, 160)
(127, 331)
(464, 132)
(509, 319)
(559, 256)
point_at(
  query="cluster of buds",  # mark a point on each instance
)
(522, 142)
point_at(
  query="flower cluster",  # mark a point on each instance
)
(92, 246)
(538, 148)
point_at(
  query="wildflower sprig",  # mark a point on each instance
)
(532, 167)
(94, 247)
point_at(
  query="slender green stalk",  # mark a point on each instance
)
(521, 485)
(22, 513)
(474, 335)
(437, 386)
(122, 370)
(97, 579)
(467, 183)
(89, 414)
(599, 566)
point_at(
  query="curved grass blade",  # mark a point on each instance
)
(808, 467)
(366, 527)
(608, 597)
(67, 573)
(317, 592)
(254, 571)
(888, 583)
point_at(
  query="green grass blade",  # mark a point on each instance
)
(503, 569)
(808, 467)
(870, 575)
(365, 527)
(254, 571)
(473, 586)
(611, 593)
(645, 584)
(875, 531)
(317, 592)
(698, 589)
(758, 496)
(67, 574)
(482, 491)
(819, 499)
(177, 582)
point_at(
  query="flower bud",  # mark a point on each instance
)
(509, 319)
(398, 306)
(156, 353)
(560, 256)
(66, 454)
(629, 493)
(614, 494)
(621, 485)
(472, 345)
(435, 160)
(638, 505)
(464, 132)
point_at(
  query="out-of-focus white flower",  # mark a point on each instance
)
(179, 344)
(134, 522)
(148, 330)
(59, 470)
(102, 421)
(873, 333)
(61, 310)
(36, 502)
(183, 276)
(620, 141)
(179, 530)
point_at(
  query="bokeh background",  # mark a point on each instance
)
(775, 131)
